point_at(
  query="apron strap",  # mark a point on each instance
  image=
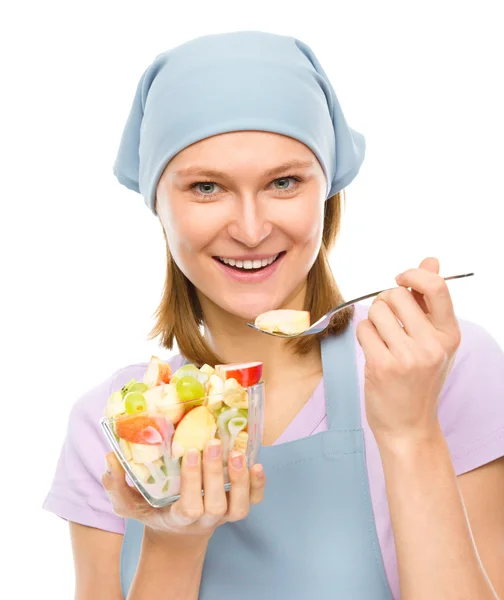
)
(341, 381)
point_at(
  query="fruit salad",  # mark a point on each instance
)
(284, 321)
(152, 423)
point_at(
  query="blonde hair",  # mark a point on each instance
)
(179, 316)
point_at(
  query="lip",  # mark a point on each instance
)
(250, 256)
(247, 277)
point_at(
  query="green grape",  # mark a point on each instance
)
(191, 370)
(165, 486)
(134, 402)
(151, 480)
(139, 387)
(189, 388)
(186, 370)
(164, 470)
(126, 387)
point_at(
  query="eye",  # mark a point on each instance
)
(286, 184)
(205, 189)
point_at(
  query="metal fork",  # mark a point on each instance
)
(324, 321)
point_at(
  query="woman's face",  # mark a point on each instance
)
(243, 213)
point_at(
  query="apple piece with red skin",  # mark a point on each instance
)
(246, 374)
(157, 373)
(284, 321)
(194, 431)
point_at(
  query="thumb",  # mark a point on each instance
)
(122, 495)
(114, 466)
(430, 264)
(118, 476)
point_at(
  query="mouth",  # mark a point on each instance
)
(251, 265)
(252, 269)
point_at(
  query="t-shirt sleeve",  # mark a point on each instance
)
(77, 493)
(471, 409)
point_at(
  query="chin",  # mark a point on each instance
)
(246, 307)
(246, 298)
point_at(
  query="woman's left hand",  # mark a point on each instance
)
(407, 366)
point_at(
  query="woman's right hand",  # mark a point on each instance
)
(193, 513)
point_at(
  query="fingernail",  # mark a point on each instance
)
(399, 276)
(108, 468)
(214, 449)
(260, 472)
(237, 460)
(192, 458)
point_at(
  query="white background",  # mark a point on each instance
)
(83, 259)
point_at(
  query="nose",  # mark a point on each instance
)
(249, 225)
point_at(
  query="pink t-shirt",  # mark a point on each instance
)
(471, 413)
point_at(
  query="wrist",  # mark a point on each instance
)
(170, 566)
(168, 540)
(411, 442)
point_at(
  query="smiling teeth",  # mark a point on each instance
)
(248, 264)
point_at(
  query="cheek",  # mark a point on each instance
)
(190, 229)
(305, 225)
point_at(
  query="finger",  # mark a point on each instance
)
(388, 328)
(436, 295)
(189, 508)
(115, 475)
(257, 483)
(370, 341)
(420, 301)
(122, 496)
(429, 264)
(214, 501)
(239, 494)
(415, 322)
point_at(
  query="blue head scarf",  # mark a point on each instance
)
(246, 80)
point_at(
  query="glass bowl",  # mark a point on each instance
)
(153, 461)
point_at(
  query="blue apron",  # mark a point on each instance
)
(314, 535)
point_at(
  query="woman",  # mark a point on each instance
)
(383, 443)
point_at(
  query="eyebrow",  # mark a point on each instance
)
(197, 170)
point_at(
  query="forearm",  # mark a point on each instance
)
(169, 569)
(436, 554)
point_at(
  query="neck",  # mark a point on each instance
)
(234, 342)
